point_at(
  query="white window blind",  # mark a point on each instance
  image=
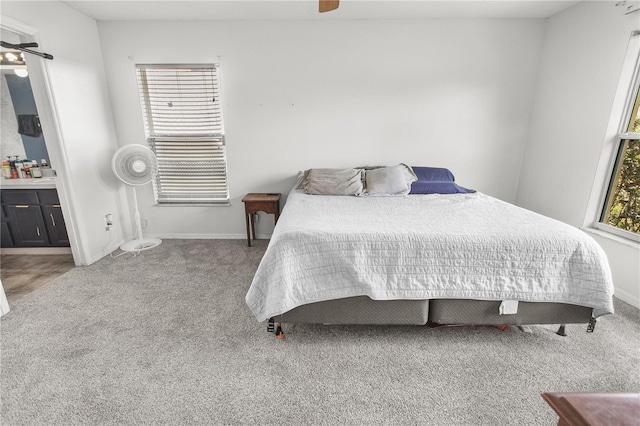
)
(183, 123)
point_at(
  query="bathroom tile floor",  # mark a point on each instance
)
(22, 274)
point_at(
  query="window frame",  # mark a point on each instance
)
(632, 59)
(216, 137)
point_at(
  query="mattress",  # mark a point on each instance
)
(436, 246)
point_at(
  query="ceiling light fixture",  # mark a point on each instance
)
(21, 72)
(10, 56)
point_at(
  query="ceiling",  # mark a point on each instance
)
(119, 10)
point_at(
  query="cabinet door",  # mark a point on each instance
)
(55, 226)
(5, 237)
(27, 226)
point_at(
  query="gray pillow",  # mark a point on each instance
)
(333, 182)
(395, 180)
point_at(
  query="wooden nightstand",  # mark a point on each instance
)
(595, 409)
(259, 202)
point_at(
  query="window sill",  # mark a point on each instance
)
(193, 204)
(610, 236)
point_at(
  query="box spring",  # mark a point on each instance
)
(363, 310)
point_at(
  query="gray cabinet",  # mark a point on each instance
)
(32, 218)
(55, 225)
(26, 226)
(5, 235)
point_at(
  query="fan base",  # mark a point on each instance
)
(140, 244)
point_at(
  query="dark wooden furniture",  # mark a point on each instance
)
(32, 218)
(259, 202)
(593, 409)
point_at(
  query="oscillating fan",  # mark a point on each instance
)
(136, 165)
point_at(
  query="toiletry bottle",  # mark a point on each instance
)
(45, 168)
(19, 168)
(6, 169)
(14, 171)
(35, 170)
(26, 166)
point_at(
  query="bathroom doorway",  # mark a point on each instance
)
(24, 269)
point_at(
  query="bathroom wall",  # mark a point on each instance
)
(35, 147)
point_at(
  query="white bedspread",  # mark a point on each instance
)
(463, 246)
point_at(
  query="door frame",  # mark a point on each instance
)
(39, 77)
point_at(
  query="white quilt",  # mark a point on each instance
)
(463, 246)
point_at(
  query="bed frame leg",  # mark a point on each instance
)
(592, 325)
(562, 330)
(279, 332)
(273, 326)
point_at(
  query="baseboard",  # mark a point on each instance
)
(104, 252)
(627, 297)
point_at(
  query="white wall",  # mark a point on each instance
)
(83, 140)
(582, 59)
(301, 94)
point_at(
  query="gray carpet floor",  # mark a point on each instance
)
(166, 338)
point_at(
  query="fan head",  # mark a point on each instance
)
(134, 164)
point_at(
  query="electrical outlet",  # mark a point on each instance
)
(108, 222)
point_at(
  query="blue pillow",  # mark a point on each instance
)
(436, 180)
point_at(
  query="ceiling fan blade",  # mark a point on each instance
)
(328, 5)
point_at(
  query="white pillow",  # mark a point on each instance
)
(333, 182)
(395, 180)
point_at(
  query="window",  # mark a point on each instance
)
(183, 123)
(621, 208)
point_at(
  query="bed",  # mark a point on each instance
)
(435, 256)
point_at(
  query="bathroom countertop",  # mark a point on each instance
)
(41, 183)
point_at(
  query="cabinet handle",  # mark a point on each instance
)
(20, 206)
(56, 205)
(53, 221)
(38, 230)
